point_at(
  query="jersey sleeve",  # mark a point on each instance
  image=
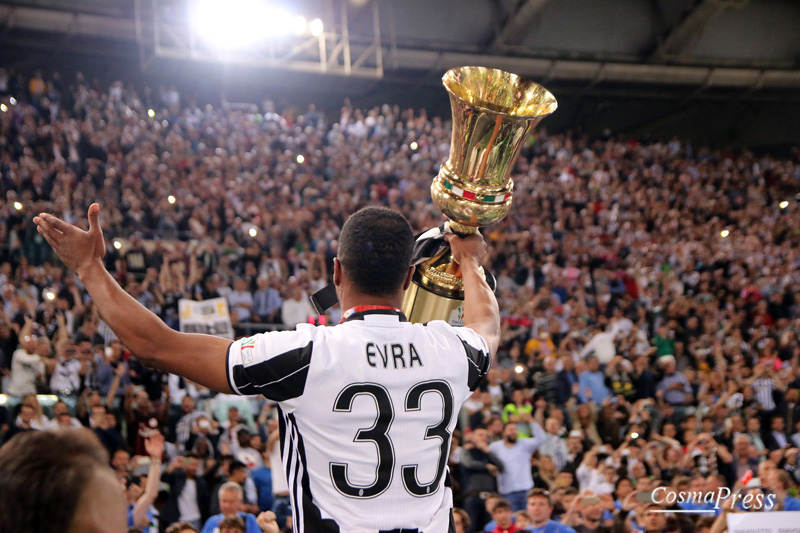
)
(478, 356)
(272, 364)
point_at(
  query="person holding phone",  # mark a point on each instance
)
(586, 514)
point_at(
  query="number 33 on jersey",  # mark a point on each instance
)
(368, 409)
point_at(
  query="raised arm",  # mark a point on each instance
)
(481, 312)
(200, 358)
(155, 449)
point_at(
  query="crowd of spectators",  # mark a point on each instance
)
(648, 292)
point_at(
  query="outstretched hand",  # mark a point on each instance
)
(154, 445)
(78, 249)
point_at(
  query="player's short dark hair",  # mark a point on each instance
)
(43, 475)
(375, 248)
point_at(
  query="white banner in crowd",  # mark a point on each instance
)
(777, 522)
(211, 317)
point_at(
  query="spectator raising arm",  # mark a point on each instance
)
(200, 358)
(155, 448)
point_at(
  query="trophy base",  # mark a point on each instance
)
(421, 305)
(437, 294)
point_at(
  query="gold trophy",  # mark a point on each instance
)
(493, 114)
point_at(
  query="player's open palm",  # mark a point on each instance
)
(78, 249)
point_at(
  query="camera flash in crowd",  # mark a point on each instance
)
(634, 435)
(18, 206)
(171, 199)
(151, 113)
(300, 158)
(315, 27)
(3, 108)
(12, 101)
(784, 204)
(253, 232)
(413, 145)
(117, 245)
(518, 369)
(724, 233)
(50, 293)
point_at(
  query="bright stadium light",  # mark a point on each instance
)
(315, 27)
(278, 23)
(299, 25)
(238, 24)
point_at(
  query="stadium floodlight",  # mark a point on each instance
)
(315, 27)
(299, 25)
(238, 24)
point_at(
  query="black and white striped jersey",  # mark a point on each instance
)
(368, 409)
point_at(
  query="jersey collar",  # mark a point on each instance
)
(360, 311)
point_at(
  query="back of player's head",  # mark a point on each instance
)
(375, 248)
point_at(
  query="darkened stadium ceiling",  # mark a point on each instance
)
(745, 44)
(721, 72)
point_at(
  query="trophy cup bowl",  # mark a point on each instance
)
(493, 114)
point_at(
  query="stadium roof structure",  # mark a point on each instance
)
(684, 51)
